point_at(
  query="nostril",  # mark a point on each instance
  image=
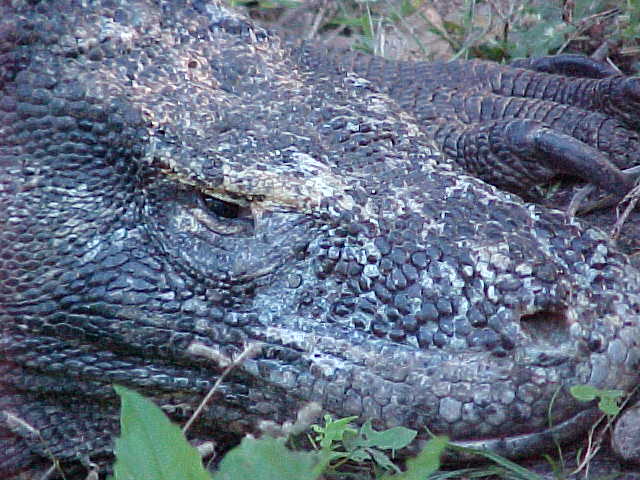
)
(549, 325)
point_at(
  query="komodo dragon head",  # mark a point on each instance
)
(176, 185)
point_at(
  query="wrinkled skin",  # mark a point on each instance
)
(176, 185)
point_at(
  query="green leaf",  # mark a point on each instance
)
(382, 460)
(150, 447)
(609, 406)
(584, 393)
(268, 459)
(613, 394)
(334, 430)
(426, 463)
(360, 455)
(394, 438)
(351, 439)
(608, 403)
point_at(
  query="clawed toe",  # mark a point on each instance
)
(579, 206)
(564, 154)
(569, 64)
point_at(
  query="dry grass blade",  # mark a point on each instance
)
(15, 423)
(249, 351)
(631, 199)
(593, 446)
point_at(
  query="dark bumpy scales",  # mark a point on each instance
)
(175, 185)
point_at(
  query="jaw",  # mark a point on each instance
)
(500, 398)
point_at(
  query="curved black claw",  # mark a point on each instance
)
(569, 114)
(569, 64)
(579, 205)
(564, 154)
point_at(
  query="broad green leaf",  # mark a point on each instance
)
(609, 406)
(426, 463)
(150, 447)
(584, 393)
(268, 459)
(608, 403)
(394, 438)
(613, 394)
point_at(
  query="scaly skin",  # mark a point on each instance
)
(174, 182)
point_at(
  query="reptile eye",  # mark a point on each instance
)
(221, 208)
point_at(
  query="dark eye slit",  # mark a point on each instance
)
(221, 208)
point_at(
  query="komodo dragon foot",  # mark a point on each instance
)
(521, 125)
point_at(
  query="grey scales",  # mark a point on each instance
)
(177, 183)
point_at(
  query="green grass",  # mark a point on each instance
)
(151, 447)
(498, 30)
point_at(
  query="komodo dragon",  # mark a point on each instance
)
(176, 184)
